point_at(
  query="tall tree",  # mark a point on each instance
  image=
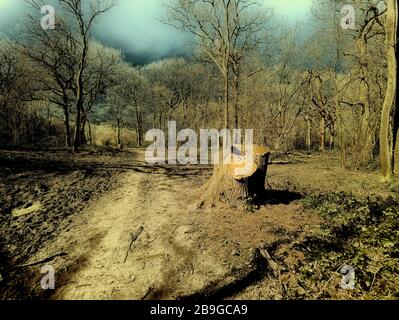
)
(55, 52)
(225, 30)
(385, 130)
(129, 94)
(84, 23)
(65, 52)
(396, 119)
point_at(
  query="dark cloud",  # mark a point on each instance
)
(132, 26)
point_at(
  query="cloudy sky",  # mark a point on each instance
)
(134, 27)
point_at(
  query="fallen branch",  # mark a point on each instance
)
(134, 237)
(151, 289)
(61, 254)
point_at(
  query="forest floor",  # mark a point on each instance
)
(113, 227)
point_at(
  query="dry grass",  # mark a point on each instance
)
(321, 173)
(106, 136)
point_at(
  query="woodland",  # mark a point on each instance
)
(323, 193)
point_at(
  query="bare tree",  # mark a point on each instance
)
(101, 71)
(65, 53)
(174, 82)
(225, 31)
(10, 88)
(85, 20)
(55, 52)
(129, 94)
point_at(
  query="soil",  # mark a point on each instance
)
(113, 227)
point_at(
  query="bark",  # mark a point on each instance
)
(396, 119)
(364, 147)
(90, 135)
(80, 101)
(331, 131)
(396, 143)
(139, 136)
(340, 121)
(226, 98)
(236, 86)
(226, 187)
(385, 150)
(342, 143)
(139, 126)
(308, 133)
(68, 139)
(322, 133)
(76, 142)
(83, 121)
(118, 125)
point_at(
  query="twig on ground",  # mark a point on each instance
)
(134, 237)
(150, 289)
(61, 254)
(151, 241)
(374, 277)
(327, 282)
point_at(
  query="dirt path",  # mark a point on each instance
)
(160, 262)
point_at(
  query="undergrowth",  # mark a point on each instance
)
(359, 233)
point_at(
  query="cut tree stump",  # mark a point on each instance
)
(228, 186)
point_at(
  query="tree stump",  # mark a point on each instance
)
(234, 189)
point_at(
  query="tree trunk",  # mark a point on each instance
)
(119, 134)
(396, 153)
(236, 86)
(80, 80)
(225, 186)
(68, 140)
(83, 121)
(332, 137)
(396, 119)
(308, 133)
(396, 142)
(385, 150)
(322, 133)
(340, 126)
(139, 126)
(76, 141)
(364, 145)
(338, 110)
(226, 98)
(79, 104)
(90, 136)
(138, 136)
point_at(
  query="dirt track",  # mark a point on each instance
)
(160, 261)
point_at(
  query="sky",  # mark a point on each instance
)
(133, 26)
